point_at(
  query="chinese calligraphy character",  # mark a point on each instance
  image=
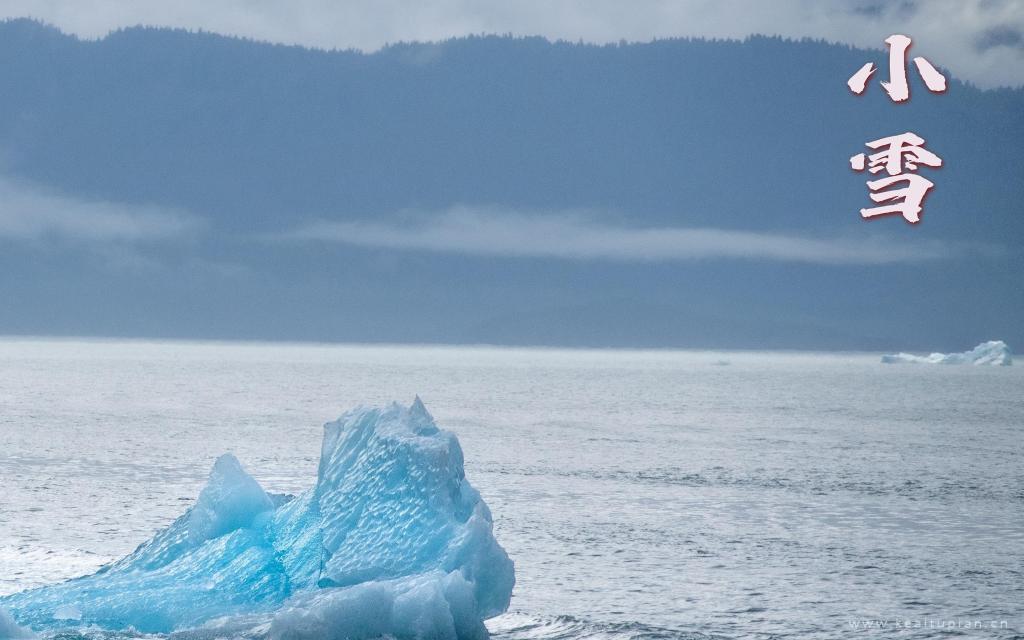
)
(899, 156)
(897, 87)
(896, 154)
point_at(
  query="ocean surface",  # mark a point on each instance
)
(656, 494)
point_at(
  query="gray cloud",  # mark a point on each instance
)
(30, 213)
(946, 31)
(1001, 36)
(576, 236)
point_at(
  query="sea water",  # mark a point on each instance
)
(640, 493)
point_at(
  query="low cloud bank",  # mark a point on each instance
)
(28, 212)
(578, 237)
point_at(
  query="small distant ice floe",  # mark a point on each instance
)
(993, 352)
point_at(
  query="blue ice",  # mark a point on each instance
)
(392, 540)
(993, 352)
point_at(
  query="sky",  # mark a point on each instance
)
(980, 41)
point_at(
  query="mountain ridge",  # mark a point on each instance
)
(254, 140)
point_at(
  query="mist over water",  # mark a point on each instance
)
(640, 493)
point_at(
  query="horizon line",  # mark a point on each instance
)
(246, 342)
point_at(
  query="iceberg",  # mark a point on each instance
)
(9, 629)
(993, 352)
(392, 540)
